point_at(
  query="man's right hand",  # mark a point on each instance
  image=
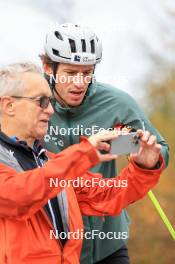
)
(149, 151)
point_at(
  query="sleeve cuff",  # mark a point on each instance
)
(160, 165)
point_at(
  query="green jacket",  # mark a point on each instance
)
(104, 107)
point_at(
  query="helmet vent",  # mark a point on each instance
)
(83, 43)
(92, 46)
(58, 35)
(55, 52)
(72, 45)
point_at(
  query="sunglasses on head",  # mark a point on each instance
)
(43, 100)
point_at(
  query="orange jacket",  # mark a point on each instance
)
(25, 229)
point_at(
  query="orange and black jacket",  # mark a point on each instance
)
(31, 210)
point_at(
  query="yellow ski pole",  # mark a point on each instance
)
(162, 214)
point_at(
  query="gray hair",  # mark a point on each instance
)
(10, 77)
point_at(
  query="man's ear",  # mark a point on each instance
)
(7, 106)
(47, 68)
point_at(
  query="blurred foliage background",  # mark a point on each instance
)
(150, 241)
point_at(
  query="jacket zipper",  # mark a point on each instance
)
(48, 220)
(51, 225)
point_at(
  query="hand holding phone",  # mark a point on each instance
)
(125, 144)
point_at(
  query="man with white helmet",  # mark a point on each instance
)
(82, 107)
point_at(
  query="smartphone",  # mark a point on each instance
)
(125, 144)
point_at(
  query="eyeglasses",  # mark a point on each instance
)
(43, 100)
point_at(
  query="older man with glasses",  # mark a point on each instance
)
(30, 208)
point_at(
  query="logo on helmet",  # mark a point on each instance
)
(77, 58)
(87, 59)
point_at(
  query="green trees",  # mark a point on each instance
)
(150, 241)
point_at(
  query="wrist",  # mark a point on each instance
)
(154, 167)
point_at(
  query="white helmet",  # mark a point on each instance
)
(73, 44)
